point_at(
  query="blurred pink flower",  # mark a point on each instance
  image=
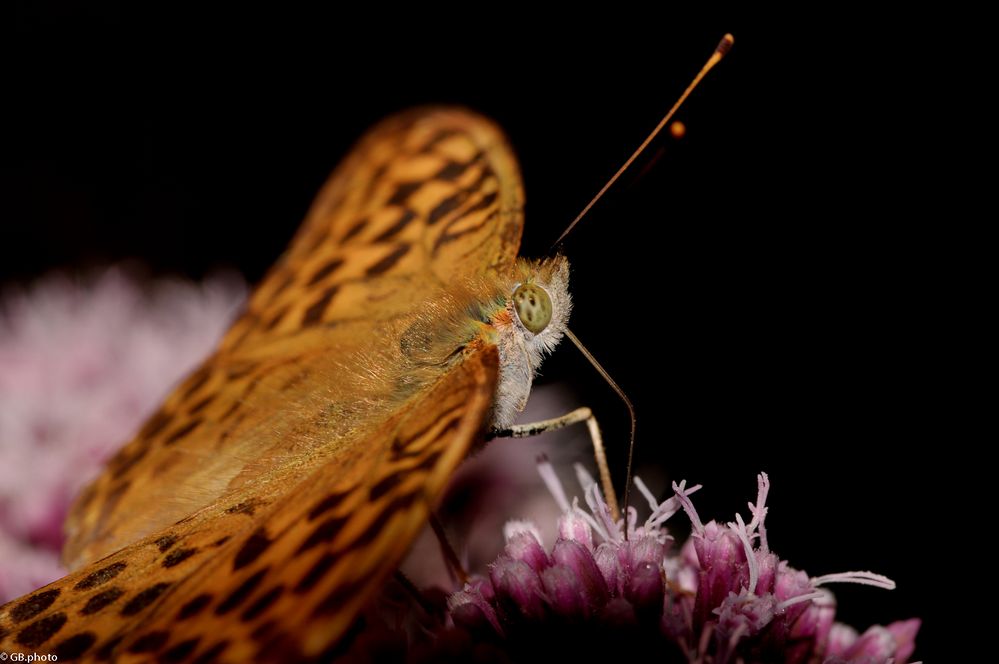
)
(82, 363)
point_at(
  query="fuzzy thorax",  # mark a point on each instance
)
(520, 350)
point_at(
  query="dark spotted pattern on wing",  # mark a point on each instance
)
(247, 534)
(380, 239)
(323, 549)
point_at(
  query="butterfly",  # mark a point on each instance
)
(278, 486)
(257, 512)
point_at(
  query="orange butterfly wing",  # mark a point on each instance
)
(278, 579)
(284, 549)
(425, 200)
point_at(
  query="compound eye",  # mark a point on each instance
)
(534, 307)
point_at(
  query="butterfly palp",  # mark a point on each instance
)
(534, 307)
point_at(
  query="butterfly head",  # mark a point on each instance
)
(530, 324)
(539, 303)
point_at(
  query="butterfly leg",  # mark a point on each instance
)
(527, 430)
(450, 556)
(583, 414)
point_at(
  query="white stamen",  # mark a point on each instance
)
(863, 578)
(759, 511)
(754, 569)
(631, 521)
(644, 490)
(667, 509)
(688, 507)
(554, 484)
(595, 501)
(583, 477)
(589, 519)
(764, 546)
(818, 594)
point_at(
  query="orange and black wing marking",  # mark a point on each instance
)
(426, 199)
(264, 502)
(278, 578)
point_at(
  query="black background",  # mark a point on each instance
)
(757, 287)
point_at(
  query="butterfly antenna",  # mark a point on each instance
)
(723, 47)
(631, 413)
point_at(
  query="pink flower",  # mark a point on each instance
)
(725, 597)
(82, 364)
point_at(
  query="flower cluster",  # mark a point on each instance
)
(608, 587)
(82, 364)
